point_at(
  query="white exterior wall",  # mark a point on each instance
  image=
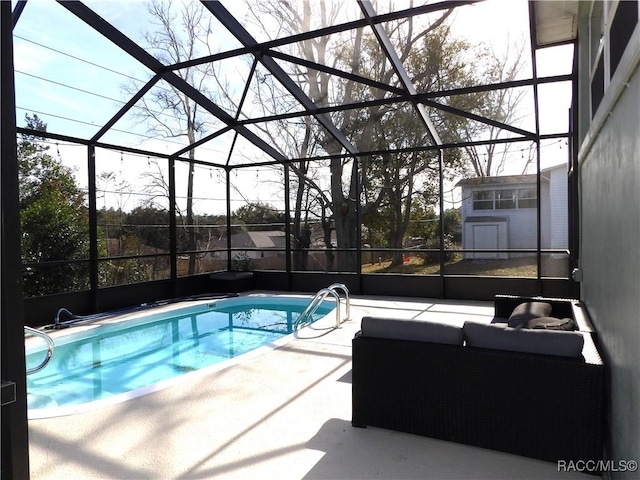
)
(522, 227)
(545, 214)
(559, 208)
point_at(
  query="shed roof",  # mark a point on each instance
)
(501, 180)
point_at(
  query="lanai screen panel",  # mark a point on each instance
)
(67, 73)
(375, 86)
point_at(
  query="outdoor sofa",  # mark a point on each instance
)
(462, 385)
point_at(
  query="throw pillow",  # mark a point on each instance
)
(552, 323)
(528, 310)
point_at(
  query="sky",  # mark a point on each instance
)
(88, 83)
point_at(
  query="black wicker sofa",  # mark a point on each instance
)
(438, 384)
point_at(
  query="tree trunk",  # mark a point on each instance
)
(345, 217)
(191, 231)
(301, 235)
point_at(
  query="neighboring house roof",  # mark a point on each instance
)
(266, 239)
(270, 239)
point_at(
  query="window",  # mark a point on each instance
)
(596, 31)
(611, 28)
(505, 199)
(527, 198)
(597, 86)
(483, 200)
(624, 22)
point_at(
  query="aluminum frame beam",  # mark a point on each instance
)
(266, 57)
(299, 37)
(126, 107)
(237, 30)
(136, 51)
(14, 460)
(422, 97)
(17, 11)
(389, 50)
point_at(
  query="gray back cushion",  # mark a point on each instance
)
(502, 337)
(416, 330)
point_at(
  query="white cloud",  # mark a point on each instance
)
(29, 58)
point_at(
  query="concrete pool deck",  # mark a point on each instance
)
(284, 414)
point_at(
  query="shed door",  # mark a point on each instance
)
(486, 236)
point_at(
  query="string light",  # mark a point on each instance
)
(559, 142)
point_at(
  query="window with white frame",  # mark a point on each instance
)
(483, 200)
(504, 199)
(527, 198)
(611, 27)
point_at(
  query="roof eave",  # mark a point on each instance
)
(556, 22)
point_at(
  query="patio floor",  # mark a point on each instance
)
(284, 414)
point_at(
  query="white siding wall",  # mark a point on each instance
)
(522, 227)
(467, 204)
(545, 213)
(559, 214)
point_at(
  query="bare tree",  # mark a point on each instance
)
(179, 34)
(358, 54)
(503, 105)
(434, 60)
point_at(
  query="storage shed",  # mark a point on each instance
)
(500, 213)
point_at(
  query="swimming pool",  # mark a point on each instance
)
(121, 357)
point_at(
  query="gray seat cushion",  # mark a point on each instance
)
(502, 337)
(416, 330)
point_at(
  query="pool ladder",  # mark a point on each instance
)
(307, 315)
(49, 341)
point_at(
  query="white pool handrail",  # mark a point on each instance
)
(50, 347)
(344, 288)
(306, 315)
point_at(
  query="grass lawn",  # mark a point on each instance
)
(514, 267)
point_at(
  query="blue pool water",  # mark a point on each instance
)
(125, 356)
